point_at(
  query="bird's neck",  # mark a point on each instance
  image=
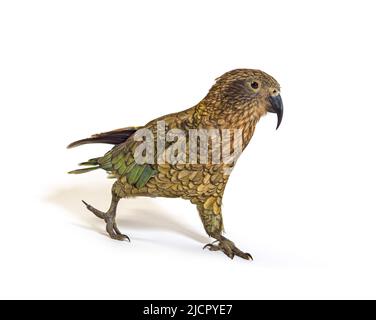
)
(207, 115)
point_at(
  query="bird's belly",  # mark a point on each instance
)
(180, 181)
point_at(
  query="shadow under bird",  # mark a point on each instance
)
(236, 101)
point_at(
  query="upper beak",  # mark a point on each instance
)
(276, 106)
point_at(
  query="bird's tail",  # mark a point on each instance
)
(112, 137)
(92, 163)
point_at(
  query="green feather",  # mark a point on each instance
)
(119, 164)
(107, 157)
(122, 168)
(134, 174)
(127, 157)
(145, 176)
(117, 158)
(107, 166)
(91, 162)
(130, 167)
(79, 171)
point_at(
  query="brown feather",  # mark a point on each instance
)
(112, 137)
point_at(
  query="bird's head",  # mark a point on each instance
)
(246, 91)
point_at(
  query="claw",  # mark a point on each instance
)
(207, 246)
(244, 255)
(210, 245)
(123, 237)
(228, 248)
(120, 237)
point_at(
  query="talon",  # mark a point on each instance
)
(228, 248)
(120, 237)
(210, 245)
(207, 246)
(124, 237)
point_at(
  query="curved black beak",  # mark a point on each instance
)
(276, 106)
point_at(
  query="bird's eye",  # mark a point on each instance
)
(254, 84)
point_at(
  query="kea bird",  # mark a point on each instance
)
(236, 102)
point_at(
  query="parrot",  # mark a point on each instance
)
(236, 102)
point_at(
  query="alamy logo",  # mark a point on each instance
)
(192, 146)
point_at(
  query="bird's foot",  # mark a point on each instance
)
(109, 218)
(228, 248)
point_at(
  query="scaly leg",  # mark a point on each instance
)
(213, 224)
(109, 218)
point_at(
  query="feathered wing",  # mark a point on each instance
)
(120, 162)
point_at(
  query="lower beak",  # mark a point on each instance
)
(276, 106)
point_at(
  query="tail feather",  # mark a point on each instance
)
(113, 137)
(79, 171)
(92, 162)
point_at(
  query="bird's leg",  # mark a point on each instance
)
(109, 218)
(213, 224)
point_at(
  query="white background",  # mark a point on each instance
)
(301, 199)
